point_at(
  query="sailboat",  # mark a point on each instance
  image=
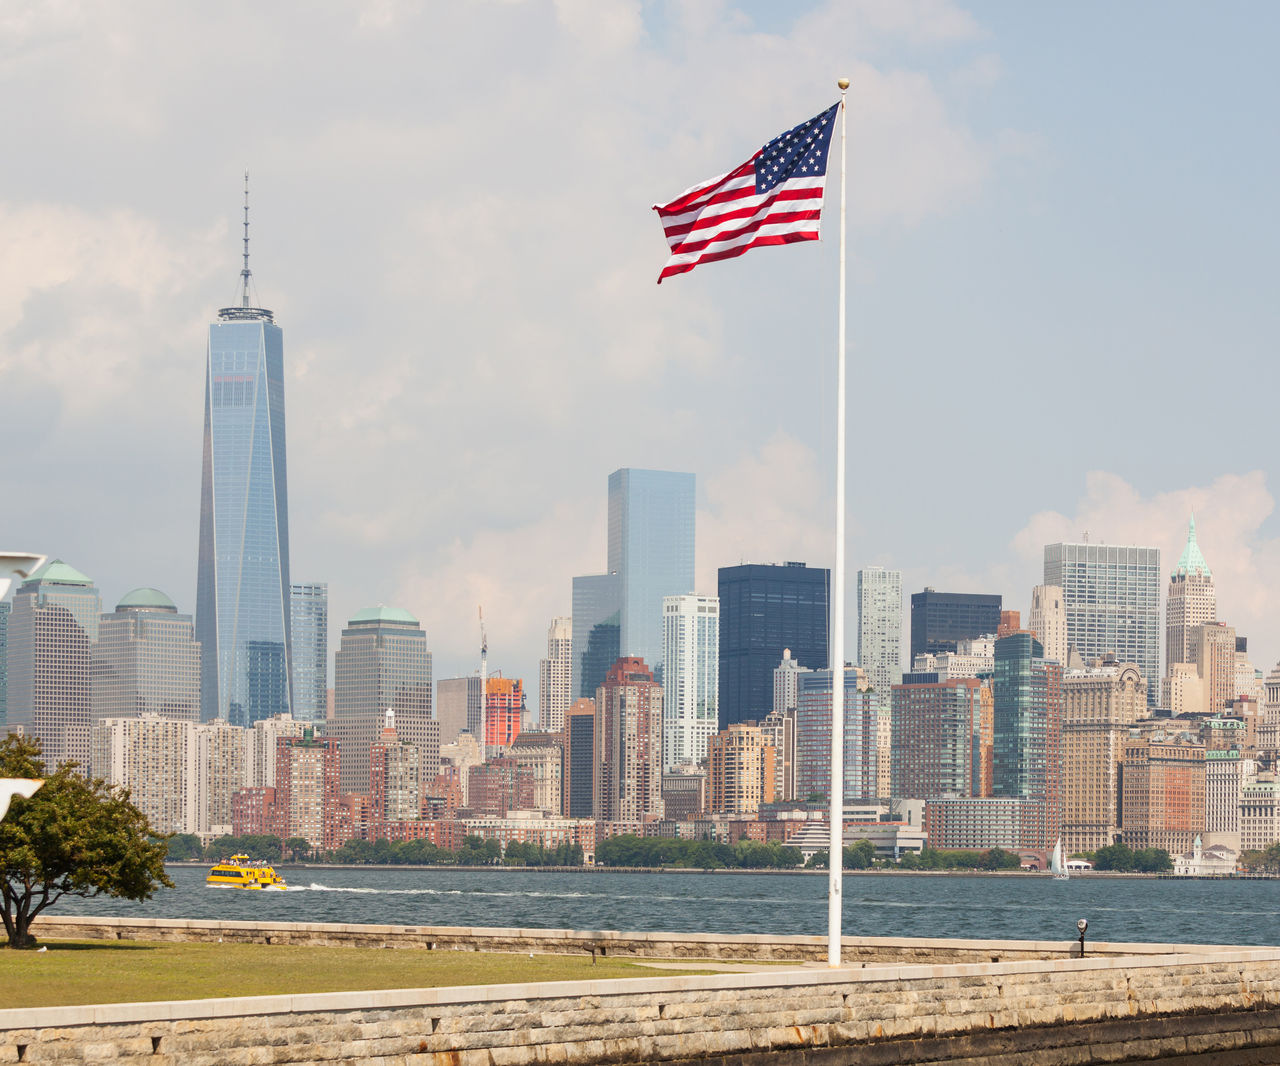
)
(1056, 866)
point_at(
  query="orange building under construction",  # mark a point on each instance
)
(503, 710)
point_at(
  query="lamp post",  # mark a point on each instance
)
(1082, 925)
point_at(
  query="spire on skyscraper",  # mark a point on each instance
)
(1192, 560)
(245, 311)
(245, 274)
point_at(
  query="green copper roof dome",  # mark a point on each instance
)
(56, 572)
(146, 599)
(1192, 561)
(384, 614)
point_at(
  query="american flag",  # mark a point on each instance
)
(775, 197)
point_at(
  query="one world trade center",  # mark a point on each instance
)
(242, 581)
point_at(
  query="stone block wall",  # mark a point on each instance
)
(726, 947)
(1220, 1006)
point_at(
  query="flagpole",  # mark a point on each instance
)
(835, 897)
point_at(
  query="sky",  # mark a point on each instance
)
(1062, 279)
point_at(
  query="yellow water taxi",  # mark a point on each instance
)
(240, 872)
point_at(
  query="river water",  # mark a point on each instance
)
(1017, 907)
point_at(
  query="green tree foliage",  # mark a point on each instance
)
(185, 847)
(75, 837)
(996, 859)
(1123, 859)
(631, 850)
(298, 848)
(1267, 861)
(859, 855)
(259, 846)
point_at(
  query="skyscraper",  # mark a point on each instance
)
(555, 675)
(579, 786)
(940, 620)
(651, 546)
(765, 609)
(1048, 621)
(1099, 705)
(690, 683)
(382, 664)
(459, 706)
(395, 777)
(936, 748)
(242, 578)
(4, 664)
(1027, 741)
(1112, 597)
(309, 625)
(597, 631)
(154, 758)
(307, 788)
(813, 738)
(880, 630)
(51, 628)
(1192, 601)
(504, 710)
(145, 660)
(628, 739)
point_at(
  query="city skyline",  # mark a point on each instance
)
(972, 180)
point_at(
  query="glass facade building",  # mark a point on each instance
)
(651, 546)
(242, 579)
(309, 628)
(939, 620)
(691, 681)
(1027, 736)
(597, 631)
(765, 609)
(580, 759)
(1112, 597)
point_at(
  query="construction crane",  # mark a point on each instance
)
(484, 685)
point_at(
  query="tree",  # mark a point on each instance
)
(859, 855)
(75, 837)
(298, 848)
(185, 847)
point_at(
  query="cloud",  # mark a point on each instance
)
(769, 507)
(1230, 513)
(452, 224)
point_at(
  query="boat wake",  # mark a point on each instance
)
(314, 887)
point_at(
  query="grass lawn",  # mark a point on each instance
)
(126, 971)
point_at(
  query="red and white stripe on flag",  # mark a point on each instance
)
(728, 215)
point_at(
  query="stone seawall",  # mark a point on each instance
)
(1221, 1007)
(740, 948)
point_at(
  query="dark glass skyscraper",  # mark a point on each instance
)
(242, 580)
(597, 626)
(763, 610)
(940, 619)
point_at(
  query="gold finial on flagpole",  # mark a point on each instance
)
(843, 83)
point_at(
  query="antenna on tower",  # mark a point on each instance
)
(484, 684)
(245, 311)
(245, 274)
